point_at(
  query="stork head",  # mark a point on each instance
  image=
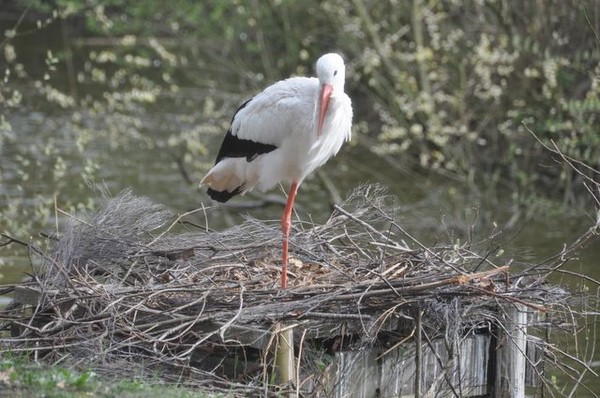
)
(331, 72)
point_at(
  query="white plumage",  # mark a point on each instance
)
(285, 115)
(282, 135)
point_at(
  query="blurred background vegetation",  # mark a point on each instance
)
(448, 87)
(447, 95)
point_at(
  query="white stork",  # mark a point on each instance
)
(283, 134)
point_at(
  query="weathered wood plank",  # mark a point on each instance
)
(511, 352)
(364, 374)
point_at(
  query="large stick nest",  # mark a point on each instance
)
(122, 287)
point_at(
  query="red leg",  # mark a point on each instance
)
(286, 222)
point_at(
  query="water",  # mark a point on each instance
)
(52, 151)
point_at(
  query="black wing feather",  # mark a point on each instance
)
(223, 196)
(235, 147)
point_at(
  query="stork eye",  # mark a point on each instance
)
(334, 72)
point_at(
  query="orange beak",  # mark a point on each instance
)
(326, 91)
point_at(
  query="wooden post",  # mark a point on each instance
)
(511, 361)
(418, 355)
(285, 362)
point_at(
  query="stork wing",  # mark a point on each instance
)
(283, 109)
(235, 147)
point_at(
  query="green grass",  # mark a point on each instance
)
(21, 378)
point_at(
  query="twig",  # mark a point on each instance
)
(10, 240)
